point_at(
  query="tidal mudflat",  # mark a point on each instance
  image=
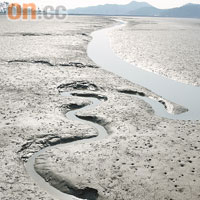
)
(144, 156)
(169, 47)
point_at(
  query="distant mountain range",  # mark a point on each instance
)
(140, 9)
(110, 9)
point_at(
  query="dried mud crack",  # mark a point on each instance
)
(31, 61)
(44, 62)
(78, 85)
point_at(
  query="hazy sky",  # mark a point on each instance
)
(83, 3)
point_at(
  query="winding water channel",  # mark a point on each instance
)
(188, 96)
(102, 133)
(100, 52)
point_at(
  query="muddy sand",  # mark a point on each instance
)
(144, 157)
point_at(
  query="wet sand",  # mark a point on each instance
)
(169, 47)
(145, 157)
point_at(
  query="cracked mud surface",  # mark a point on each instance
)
(145, 157)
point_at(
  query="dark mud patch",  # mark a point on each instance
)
(86, 193)
(77, 65)
(163, 103)
(64, 140)
(44, 62)
(26, 34)
(133, 92)
(79, 85)
(84, 34)
(65, 108)
(94, 119)
(98, 96)
(72, 106)
(32, 62)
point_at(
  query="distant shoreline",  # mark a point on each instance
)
(132, 16)
(4, 14)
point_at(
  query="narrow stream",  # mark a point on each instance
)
(102, 133)
(100, 52)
